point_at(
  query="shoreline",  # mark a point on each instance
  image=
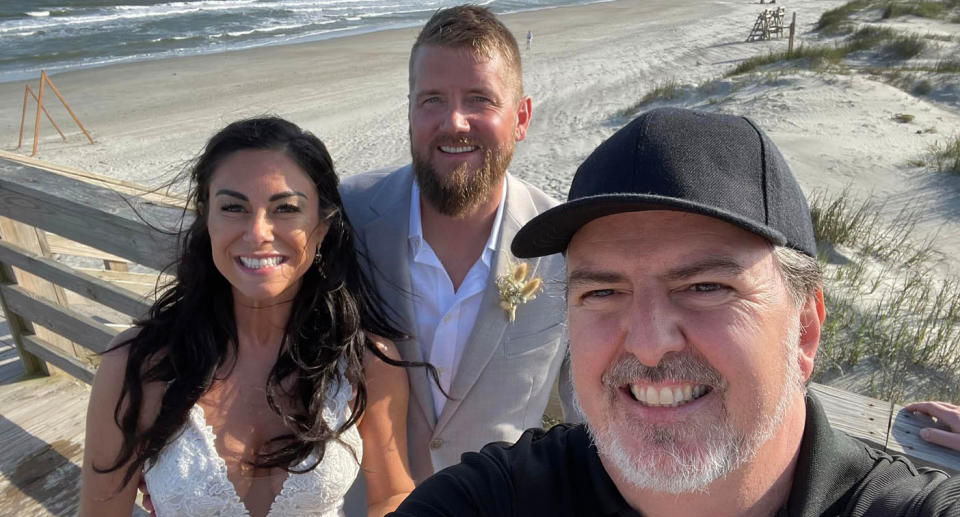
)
(346, 32)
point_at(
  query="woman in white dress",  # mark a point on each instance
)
(250, 384)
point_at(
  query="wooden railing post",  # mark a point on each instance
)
(32, 365)
(34, 240)
(793, 27)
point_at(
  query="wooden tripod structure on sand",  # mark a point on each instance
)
(27, 93)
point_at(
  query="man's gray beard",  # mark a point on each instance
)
(672, 469)
(463, 189)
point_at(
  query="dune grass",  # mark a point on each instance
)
(905, 47)
(836, 21)
(813, 54)
(942, 66)
(841, 219)
(888, 41)
(947, 66)
(666, 90)
(941, 157)
(922, 9)
(922, 87)
(885, 307)
(890, 44)
(946, 156)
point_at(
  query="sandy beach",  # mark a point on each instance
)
(587, 63)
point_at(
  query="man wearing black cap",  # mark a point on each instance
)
(694, 305)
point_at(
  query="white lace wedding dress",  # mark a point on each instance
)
(189, 478)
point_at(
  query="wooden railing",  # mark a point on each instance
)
(46, 329)
(33, 286)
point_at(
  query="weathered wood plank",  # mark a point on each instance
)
(85, 331)
(42, 429)
(88, 214)
(122, 300)
(39, 473)
(36, 404)
(887, 427)
(34, 240)
(159, 196)
(32, 365)
(11, 366)
(64, 246)
(904, 435)
(52, 355)
(862, 417)
(125, 278)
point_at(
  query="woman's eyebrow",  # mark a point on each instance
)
(275, 197)
(231, 193)
(289, 193)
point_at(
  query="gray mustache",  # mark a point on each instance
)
(673, 366)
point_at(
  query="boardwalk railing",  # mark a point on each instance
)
(47, 330)
(33, 286)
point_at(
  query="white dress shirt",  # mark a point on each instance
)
(444, 317)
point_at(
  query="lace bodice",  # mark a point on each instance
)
(189, 478)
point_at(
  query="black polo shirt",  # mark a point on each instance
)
(558, 473)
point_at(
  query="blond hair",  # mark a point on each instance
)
(478, 30)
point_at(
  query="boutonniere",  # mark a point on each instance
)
(515, 288)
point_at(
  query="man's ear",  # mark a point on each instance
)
(524, 113)
(812, 315)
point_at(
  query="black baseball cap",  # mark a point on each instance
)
(711, 164)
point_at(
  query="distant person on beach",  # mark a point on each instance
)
(264, 378)
(695, 305)
(437, 233)
(529, 39)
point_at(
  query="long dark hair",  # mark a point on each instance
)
(190, 332)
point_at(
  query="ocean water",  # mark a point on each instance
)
(58, 35)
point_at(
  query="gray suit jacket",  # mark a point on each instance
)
(505, 376)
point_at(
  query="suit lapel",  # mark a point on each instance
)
(386, 237)
(487, 334)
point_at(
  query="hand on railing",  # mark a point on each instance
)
(948, 415)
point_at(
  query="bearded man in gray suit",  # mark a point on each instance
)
(437, 236)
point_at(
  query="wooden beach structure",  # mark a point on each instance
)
(57, 314)
(769, 25)
(28, 94)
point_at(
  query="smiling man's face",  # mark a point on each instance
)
(684, 345)
(465, 119)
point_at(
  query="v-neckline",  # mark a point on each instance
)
(210, 438)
